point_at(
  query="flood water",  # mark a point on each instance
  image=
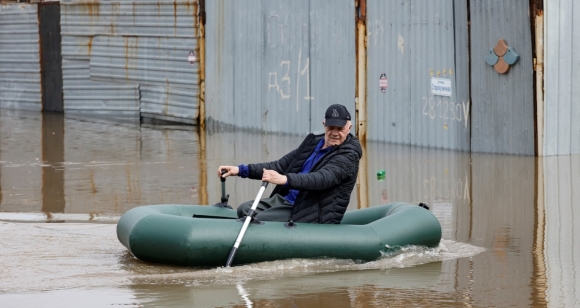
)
(509, 238)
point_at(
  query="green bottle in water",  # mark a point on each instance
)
(381, 175)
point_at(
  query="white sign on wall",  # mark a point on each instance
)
(441, 86)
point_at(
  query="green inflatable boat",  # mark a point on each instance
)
(194, 235)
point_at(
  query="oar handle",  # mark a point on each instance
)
(224, 199)
(246, 224)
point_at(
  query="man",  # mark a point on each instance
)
(314, 181)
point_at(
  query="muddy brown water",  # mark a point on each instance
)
(509, 237)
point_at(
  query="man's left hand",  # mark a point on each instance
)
(274, 177)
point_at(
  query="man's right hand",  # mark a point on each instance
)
(230, 170)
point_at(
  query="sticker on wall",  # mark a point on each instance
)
(191, 58)
(502, 57)
(383, 82)
(441, 86)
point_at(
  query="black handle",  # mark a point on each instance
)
(224, 171)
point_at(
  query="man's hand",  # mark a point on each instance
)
(230, 170)
(274, 177)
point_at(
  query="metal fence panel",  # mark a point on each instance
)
(20, 82)
(219, 95)
(106, 99)
(270, 66)
(169, 104)
(139, 42)
(169, 84)
(131, 18)
(332, 60)
(503, 104)
(562, 60)
(411, 42)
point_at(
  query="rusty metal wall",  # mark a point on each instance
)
(503, 104)
(20, 82)
(135, 43)
(561, 250)
(277, 65)
(410, 42)
(81, 94)
(168, 83)
(561, 79)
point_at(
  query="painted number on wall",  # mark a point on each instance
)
(281, 81)
(446, 110)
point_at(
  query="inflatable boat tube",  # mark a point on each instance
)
(194, 235)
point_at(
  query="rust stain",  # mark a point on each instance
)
(93, 185)
(90, 45)
(175, 16)
(126, 58)
(93, 7)
(158, 9)
(167, 92)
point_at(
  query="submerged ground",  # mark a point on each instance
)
(508, 231)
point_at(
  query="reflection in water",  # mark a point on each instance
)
(53, 198)
(562, 252)
(0, 164)
(244, 295)
(491, 201)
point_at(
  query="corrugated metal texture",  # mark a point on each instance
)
(170, 104)
(332, 59)
(84, 96)
(276, 65)
(162, 18)
(144, 60)
(562, 252)
(219, 66)
(411, 42)
(562, 76)
(20, 82)
(462, 81)
(169, 84)
(503, 104)
(139, 42)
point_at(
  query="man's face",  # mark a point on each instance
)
(336, 135)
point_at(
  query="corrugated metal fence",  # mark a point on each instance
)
(19, 57)
(132, 57)
(503, 104)
(411, 47)
(562, 78)
(277, 65)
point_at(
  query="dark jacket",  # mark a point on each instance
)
(325, 190)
